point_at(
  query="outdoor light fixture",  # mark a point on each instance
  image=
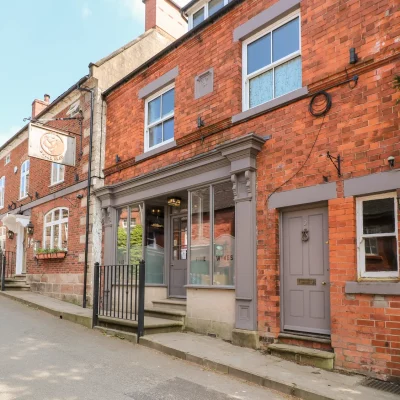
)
(117, 159)
(391, 161)
(156, 224)
(174, 201)
(353, 56)
(30, 229)
(10, 235)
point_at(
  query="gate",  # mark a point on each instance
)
(118, 292)
(8, 264)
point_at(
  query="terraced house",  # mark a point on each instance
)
(258, 154)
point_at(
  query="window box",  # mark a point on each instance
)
(51, 255)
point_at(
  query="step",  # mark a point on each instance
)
(151, 325)
(303, 355)
(170, 304)
(318, 342)
(16, 279)
(172, 314)
(17, 286)
(130, 337)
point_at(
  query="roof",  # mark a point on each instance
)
(47, 109)
(174, 45)
(189, 5)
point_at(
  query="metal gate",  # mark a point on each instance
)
(8, 265)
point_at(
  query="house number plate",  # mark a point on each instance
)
(311, 282)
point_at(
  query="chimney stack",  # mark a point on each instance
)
(39, 105)
(166, 15)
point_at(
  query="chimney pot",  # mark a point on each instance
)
(47, 98)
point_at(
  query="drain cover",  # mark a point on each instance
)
(390, 387)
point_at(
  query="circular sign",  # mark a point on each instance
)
(52, 144)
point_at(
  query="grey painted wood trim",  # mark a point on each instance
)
(63, 192)
(383, 288)
(265, 18)
(271, 105)
(306, 195)
(210, 287)
(159, 83)
(158, 150)
(373, 183)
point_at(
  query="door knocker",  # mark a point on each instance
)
(305, 235)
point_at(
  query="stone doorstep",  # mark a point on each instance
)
(304, 355)
(130, 337)
(308, 338)
(170, 304)
(172, 314)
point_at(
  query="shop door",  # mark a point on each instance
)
(178, 265)
(306, 300)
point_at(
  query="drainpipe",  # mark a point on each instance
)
(89, 178)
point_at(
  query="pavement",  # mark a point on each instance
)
(287, 377)
(46, 358)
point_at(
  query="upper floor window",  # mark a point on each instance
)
(8, 159)
(57, 173)
(272, 62)
(3, 232)
(377, 236)
(204, 10)
(24, 185)
(2, 190)
(159, 125)
(55, 230)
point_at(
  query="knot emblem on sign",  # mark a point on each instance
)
(52, 144)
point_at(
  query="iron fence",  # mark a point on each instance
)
(8, 266)
(119, 293)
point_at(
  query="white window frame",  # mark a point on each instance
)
(3, 237)
(51, 224)
(199, 6)
(55, 180)
(23, 191)
(169, 116)
(246, 78)
(7, 159)
(2, 191)
(362, 273)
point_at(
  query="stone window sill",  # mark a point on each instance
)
(382, 288)
(156, 151)
(209, 287)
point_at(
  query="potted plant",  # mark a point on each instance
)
(54, 253)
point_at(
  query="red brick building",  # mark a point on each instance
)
(227, 116)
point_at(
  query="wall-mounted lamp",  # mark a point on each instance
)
(391, 161)
(37, 195)
(30, 228)
(79, 196)
(10, 235)
(174, 201)
(12, 206)
(200, 122)
(353, 56)
(117, 159)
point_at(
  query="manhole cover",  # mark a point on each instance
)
(390, 387)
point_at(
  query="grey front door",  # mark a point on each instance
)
(306, 304)
(178, 269)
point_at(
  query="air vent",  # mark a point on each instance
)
(389, 387)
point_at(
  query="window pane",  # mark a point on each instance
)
(285, 40)
(200, 237)
(64, 213)
(224, 235)
(122, 237)
(168, 129)
(56, 215)
(198, 17)
(64, 235)
(378, 216)
(47, 238)
(155, 135)
(288, 77)
(136, 234)
(168, 100)
(259, 54)
(261, 89)
(381, 254)
(214, 6)
(154, 110)
(56, 237)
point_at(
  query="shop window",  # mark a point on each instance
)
(159, 110)
(2, 190)
(272, 62)
(57, 173)
(212, 236)
(377, 236)
(24, 184)
(55, 235)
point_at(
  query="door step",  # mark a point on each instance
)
(171, 314)
(130, 337)
(318, 342)
(317, 358)
(17, 283)
(170, 304)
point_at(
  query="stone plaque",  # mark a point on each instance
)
(204, 83)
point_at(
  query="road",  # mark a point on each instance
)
(45, 358)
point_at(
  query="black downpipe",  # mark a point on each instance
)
(88, 191)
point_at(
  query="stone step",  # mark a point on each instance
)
(130, 337)
(151, 325)
(175, 315)
(16, 285)
(318, 342)
(18, 279)
(317, 358)
(170, 304)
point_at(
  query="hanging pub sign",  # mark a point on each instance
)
(51, 145)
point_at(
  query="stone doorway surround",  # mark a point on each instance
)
(234, 160)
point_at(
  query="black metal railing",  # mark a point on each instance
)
(8, 265)
(118, 292)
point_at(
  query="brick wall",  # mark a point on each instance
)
(362, 126)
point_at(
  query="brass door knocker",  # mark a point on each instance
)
(305, 235)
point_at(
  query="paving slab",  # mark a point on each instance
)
(58, 308)
(305, 382)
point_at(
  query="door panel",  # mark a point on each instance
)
(306, 304)
(178, 265)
